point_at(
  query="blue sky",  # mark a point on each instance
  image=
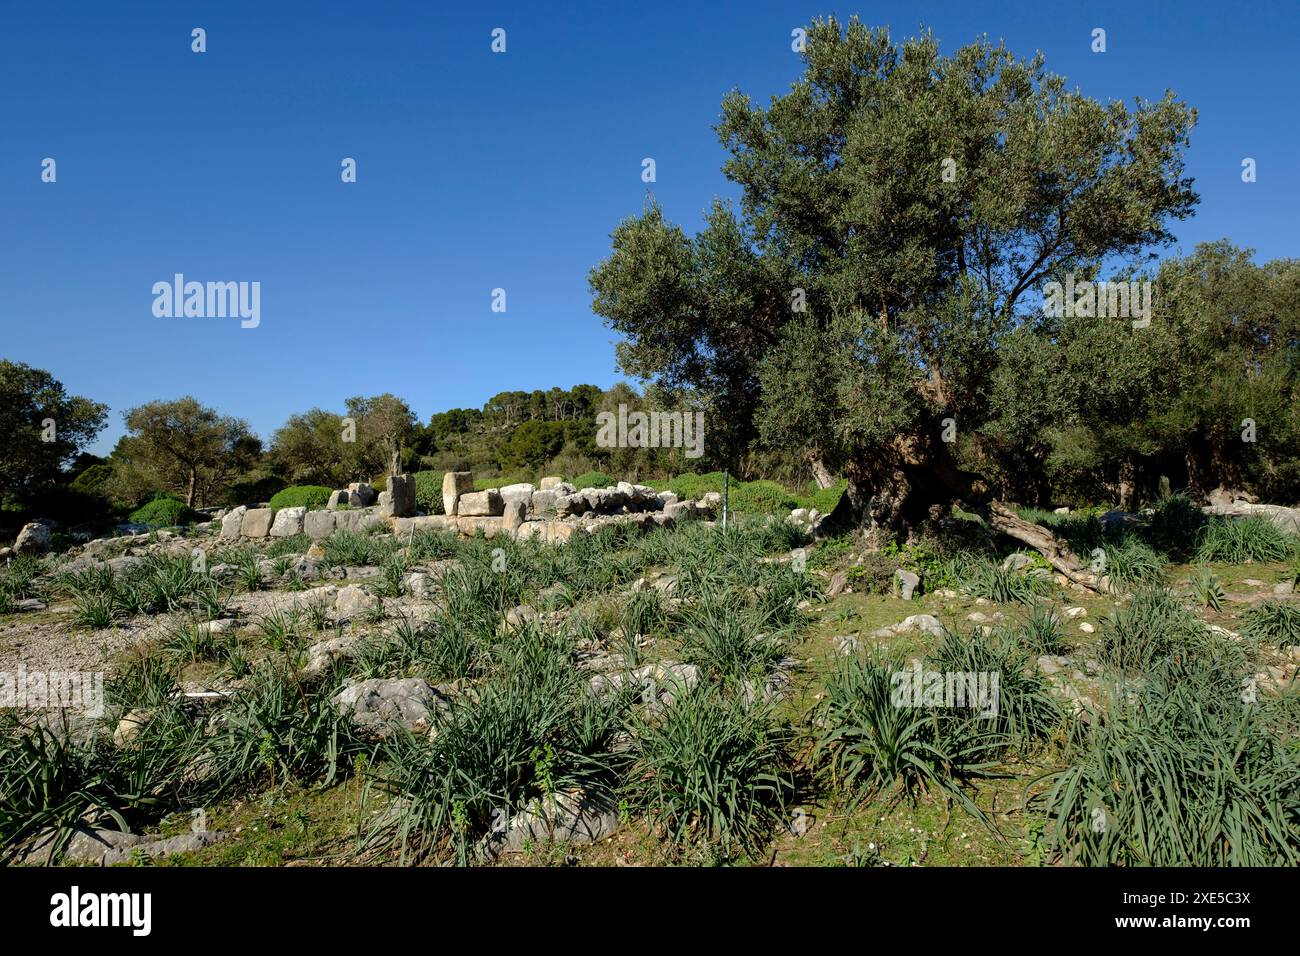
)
(475, 171)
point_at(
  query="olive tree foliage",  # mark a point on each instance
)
(1096, 409)
(184, 447)
(900, 212)
(42, 428)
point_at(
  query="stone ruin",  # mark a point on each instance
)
(551, 511)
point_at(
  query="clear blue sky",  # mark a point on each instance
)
(475, 171)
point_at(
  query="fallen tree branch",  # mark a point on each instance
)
(1057, 552)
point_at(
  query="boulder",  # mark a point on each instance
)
(288, 522)
(399, 500)
(515, 513)
(232, 522)
(481, 504)
(318, 524)
(551, 483)
(379, 706)
(360, 494)
(906, 583)
(569, 816)
(34, 538)
(542, 502)
(455, 484)
(256, 522)
(337, 500)
(353, 601)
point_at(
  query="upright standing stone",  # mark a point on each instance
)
(455, 484)
(399, 500)
(516, 512)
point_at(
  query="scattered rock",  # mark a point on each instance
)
(33, 539)
(839, 581)
(567, 817)
(354, 600)
(288, 522)
(906, 583)
(377, 707)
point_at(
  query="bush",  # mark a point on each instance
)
(1273, 622)
(760, 497)
(428, 491)
(713, 771)
(593, 479)
(1152, 626)
(1179, 775)
(1176, 526)
(311, 497)
(164, 513)
(1237, 540)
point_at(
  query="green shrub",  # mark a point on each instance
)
(869, 745)
(760, 497)
(428, 491)
(1237, 540)
(593, 479)
(311, 497)
(874, 575)
(1206, 588)
(1273, 622)
(1132, 563)
(713, 772)
(1176, 525)
(164, 513)
(1181, 774)
(1151, 626)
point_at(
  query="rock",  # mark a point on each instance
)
(1017, 562)
(232, 522)
(1053, 663)
(1073, 612)
(514, 514)
(920, 622)
(129, 727)
(1060, 511)
(288, 522)
(353, 601)
(377, 707)
(398, 501)
(318, 524)
(846, 645)
(1086, 627)
(517, 617)
(360, 494)
(221, 626)
(1286, 587)
(1252, 582)
(906, 583)
(455, 484)
(542, 502)
(480, 504)
(551, 483)
(324, 653)
(338, 499)
(29, 604)
(256, 522)
(979, 617)
(800, 823)
(33, 539)
(569, 817)
(162, 846)
(418, 585)
(839, 581)
(522, 489)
